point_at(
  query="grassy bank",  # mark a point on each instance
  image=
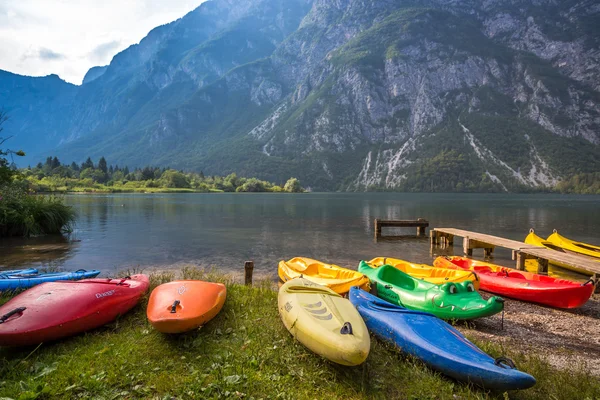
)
(245, 352)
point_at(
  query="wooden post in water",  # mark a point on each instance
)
(467, 249)
(377, 229)
(433, 239)
(421, 229)
(248, 268)
(520, 261)
(542, 266)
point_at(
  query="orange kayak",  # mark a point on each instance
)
(181, 306)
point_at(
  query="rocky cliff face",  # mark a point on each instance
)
(354, 94)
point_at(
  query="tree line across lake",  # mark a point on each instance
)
(54, 176)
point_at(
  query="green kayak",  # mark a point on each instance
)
(452, 300)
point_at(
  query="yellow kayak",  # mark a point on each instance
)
(535, 240)
(574, 246)
(435, 275)
(324, 322)
(338, 279)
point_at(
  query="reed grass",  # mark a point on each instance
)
(244, 353)
(24, 214)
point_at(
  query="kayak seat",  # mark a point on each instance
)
(516, 275)
(485, 270)
(394, 276)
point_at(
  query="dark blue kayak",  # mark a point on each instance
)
(26, 280)
(437, 344)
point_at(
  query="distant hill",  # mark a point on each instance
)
(502, 95)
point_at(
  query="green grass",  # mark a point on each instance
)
(245, 352)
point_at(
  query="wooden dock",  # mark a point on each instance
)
(419, 223)
(521, 251)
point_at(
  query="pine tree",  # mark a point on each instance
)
(55, 162)
(102, 165)
(87, 164)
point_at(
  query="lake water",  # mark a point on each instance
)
(164, 231)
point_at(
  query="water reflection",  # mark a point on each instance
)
(41, 252)
(165, 230)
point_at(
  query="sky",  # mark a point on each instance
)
(68, 37)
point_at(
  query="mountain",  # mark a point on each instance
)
(425, 95)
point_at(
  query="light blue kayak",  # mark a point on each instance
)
(437, 344)
(4, 273)
(24, 280)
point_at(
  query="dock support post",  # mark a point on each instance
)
(596, 278)
(542, 266)
(248, 269)
(467, 250)
(432, 237)
(487, 252)
(377, 229)
(520, 261)
(514, 255)
(421, 229)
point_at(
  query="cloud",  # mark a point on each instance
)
(42, 53)
(67, 37)
(104, 51)
(47, 54)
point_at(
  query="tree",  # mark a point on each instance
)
(74, 166)
(55, 163)
(174, 179)
(293, 186)
(6, 169)
(252, 185)
(102, 165)
(87, 164)
(94, 174)
(147, 174)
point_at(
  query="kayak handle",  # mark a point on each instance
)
(174, 306)
(123, 280)
(346, 329)
(505, 362)
(388, 286)
(11, 313)
(591, 280)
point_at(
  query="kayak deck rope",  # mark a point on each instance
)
(505, 362)
(11, 313)
(591, 280)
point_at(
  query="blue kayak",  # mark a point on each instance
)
(27, 280)
(6, 272)
(437, 344)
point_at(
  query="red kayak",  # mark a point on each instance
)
(521, 285)
(56, 310)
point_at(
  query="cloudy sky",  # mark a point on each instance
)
(67, 37)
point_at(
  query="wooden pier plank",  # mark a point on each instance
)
(521, 250)
(421, 224)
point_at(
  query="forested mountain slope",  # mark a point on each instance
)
(346, 95)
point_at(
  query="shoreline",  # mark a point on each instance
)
(246, 352)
